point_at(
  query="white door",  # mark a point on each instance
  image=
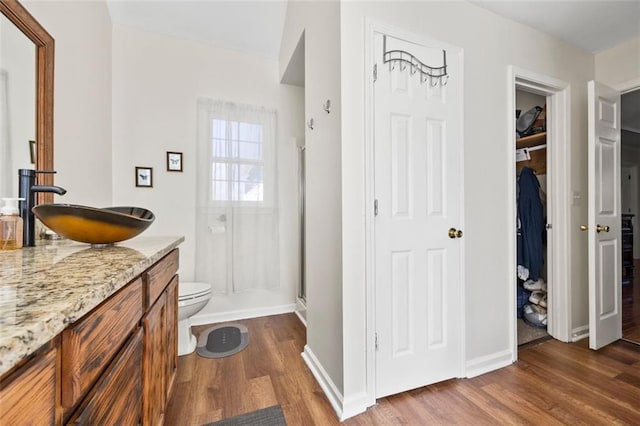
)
(418, 188)
(605, 265)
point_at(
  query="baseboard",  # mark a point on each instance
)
(485, 364)
(579, 333)
(301, 317)
(301, 311)
(217, 317)
(328, 387)
(354, 405)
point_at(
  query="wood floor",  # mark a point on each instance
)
(631, 306)
(552, 383)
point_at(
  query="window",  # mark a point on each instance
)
(238, 161)
(237, 155)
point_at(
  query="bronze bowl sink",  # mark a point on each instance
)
(96, 226)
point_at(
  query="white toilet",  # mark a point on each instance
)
(192, 297)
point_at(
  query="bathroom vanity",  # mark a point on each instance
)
(88, 335)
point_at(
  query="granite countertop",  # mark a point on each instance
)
(47, 287)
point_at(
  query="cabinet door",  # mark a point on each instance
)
(115, 399)
(153, 364)
(172, 333)
(28, 397)
(89, 345)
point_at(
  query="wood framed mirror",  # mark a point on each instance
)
(44, 51)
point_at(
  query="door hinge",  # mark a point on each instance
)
(376, 341)
(375, 72)
(549, 226)
(375, 207)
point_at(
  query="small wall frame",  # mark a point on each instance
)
(174, 161)
(144, 177)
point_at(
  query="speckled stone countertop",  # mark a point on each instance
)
(47, 287)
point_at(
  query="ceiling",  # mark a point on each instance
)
(245, 25)
(592, 25)
(256, 25)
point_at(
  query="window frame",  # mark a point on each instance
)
(266, 162)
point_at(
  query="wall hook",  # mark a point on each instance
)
(310, 124)
(327, 106)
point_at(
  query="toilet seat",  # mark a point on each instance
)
(189, 290)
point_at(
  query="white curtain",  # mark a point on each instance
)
(6, 164)
(237, 232)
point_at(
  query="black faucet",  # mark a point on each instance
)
(27, 189)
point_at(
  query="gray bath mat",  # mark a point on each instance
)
(272, 416)
(222, 340)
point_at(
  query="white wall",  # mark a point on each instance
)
(82, 97)
(156, 82)
(320, 22)
(490, 44)
(619, 64)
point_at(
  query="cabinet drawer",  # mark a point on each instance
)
(29, 396)
(158, 277)
(116, 398)
(90, 344)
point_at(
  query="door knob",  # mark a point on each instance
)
(583, 227)
(600, 228)
(455, 233)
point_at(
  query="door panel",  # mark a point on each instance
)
(418, 186)
(605, 285)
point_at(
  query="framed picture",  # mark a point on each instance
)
(174, 161)
(32, 151)
(144, 177)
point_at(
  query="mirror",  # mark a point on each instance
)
(17, 105)
(24, 97)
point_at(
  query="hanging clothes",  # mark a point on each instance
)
(531, 226)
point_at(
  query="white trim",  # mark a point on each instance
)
(324, 380)
(371, 27)
(354, 405)
(369, 197)
(558, 133)
(628, 86)
(487, 363)
(300, 308)
(580, 333)
(213, 318)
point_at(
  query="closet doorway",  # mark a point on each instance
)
(630, 205)
(531, 206)
(546, 152)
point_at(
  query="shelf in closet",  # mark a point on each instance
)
(533, 140)
(538, 160)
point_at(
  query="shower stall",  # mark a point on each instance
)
(302, 289)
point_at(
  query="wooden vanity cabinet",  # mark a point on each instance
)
(160, 339)
(172, 334)
(114, 366)
(28, 396)
(90, 344)
(115, 399)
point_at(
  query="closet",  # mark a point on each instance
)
(532, 248)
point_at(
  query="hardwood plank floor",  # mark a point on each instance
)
(552, 383)
(631, 306)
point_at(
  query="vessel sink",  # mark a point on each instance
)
(97, 226)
